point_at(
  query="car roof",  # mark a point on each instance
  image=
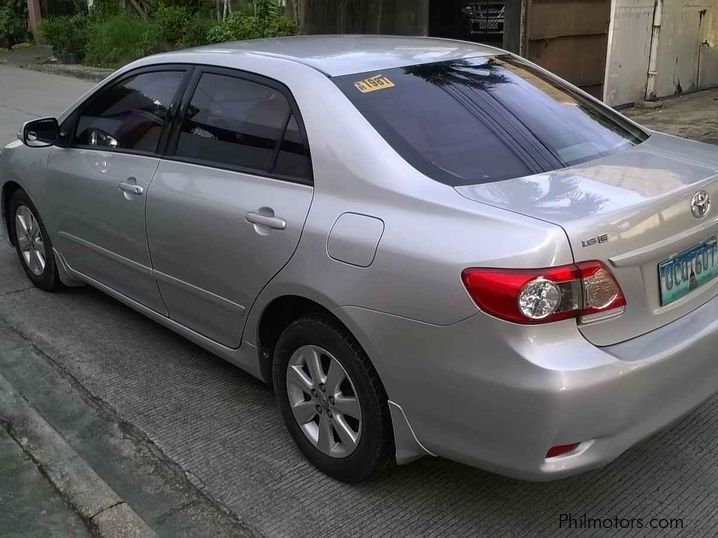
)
(336, 55)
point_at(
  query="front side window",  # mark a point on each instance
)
(130, 114)
(242, 124)
(478, 120)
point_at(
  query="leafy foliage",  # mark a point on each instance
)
(13, 22)
(176, 27)
(104, 9)
(118, 40)
(113, 37)
(192, 6)
(60, 8)
(268, 9)
(65, 34)
(266, 19)
(239, 27)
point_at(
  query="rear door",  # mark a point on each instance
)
(228, 203)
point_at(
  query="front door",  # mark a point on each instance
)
(100, 182)
(228, 204)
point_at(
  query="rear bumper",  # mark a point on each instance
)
(498, 396)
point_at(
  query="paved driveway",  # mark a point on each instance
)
(222, 428)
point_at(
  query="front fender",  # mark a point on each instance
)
(25, 168)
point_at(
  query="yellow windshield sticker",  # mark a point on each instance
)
(372, 84)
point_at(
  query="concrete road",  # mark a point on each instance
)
(25, 95)
(221, 427)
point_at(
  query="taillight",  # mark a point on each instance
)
(560, 450)
(585, 290)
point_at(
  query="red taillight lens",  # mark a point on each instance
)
(560, 450)
(586, 290)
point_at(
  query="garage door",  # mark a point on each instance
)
(570, 38)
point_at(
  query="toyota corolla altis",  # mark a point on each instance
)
(429, 247)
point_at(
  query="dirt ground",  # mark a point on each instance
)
(693, 115)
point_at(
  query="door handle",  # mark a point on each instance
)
(264, 220)
(131, 188)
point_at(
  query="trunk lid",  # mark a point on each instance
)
(631, 210)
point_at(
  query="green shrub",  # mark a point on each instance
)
(193, 6)
(62, 8)
(267, 9)
(13, 22)
(65, 34)
(239, 27)
(176, 27)
(118, 40)
(104, 9)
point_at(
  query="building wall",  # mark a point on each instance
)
(569, 38)
(682, 59)
(709, 51)
(683, 62)
(629, 51)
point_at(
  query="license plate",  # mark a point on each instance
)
(688, 270)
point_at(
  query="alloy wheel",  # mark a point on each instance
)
(30, 240)
(324, 402)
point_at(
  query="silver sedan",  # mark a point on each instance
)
(429, 247)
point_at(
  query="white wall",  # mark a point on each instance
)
(709, 51)
(629, 47)
(683, 63)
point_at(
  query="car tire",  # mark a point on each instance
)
(32, 243)
(341, 444)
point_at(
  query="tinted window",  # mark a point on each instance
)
(485, 119)
(293, 160)
(234, 122)
(130, 114)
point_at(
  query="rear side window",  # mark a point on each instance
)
(130, 114)
(293, 160)
(485, 119)
(242, 124)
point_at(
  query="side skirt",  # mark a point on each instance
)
(245, 356)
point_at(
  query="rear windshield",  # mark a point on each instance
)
(478, 120)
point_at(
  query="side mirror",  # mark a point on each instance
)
(40, 133)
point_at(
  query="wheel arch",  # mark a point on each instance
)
(8, 188)
(283, 310)
(276, 316)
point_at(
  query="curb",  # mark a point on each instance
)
(94, 74)
(90, 496)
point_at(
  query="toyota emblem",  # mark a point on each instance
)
(700, 204)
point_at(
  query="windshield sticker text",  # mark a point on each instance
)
(378, 82)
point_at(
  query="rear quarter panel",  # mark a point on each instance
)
(431, 233)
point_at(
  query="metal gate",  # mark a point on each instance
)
(484, 20)
(471, 20)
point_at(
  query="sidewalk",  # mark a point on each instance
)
(40, 58)
(29, 504)
(70, 467)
